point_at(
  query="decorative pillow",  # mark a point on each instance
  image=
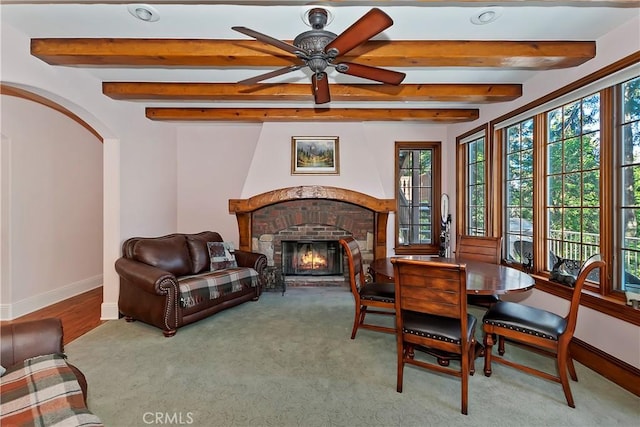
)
(222, 255)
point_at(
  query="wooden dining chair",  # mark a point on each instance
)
(538, 330)
(480, 248)
(431, 315)
(379, 296)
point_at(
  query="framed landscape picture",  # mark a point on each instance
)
(312, 155)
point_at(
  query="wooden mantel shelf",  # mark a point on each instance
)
(311, 192)
(244, 208)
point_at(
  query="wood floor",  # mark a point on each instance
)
(79, 314)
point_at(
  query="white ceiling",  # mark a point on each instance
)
(412, 21)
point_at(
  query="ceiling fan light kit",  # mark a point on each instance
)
(319, 48)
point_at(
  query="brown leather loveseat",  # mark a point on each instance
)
(166, 281)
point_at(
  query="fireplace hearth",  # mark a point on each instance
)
(311, 258)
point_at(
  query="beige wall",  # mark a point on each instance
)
(139, 154)
(53, 195)
(220, 162)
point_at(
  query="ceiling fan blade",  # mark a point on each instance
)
(270, 40)
(372, 73)
(270, 74)
(373, 22)
(320, 83)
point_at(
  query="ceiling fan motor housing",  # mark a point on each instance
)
(313, 42)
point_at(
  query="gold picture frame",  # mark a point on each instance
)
(315, 155)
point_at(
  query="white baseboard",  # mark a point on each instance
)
(36, 302)
(109, 311)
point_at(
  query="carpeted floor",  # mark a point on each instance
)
(288, 361)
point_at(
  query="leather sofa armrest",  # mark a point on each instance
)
(251, 259)
(147, 277)
(254, 260)
(23, 340)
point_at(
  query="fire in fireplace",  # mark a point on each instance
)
(311, 258)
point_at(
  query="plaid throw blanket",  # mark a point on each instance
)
(215, 284)
(43, 392)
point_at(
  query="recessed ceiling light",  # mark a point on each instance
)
(486, 16)
(144, 12)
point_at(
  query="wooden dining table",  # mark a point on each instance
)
(483, 278)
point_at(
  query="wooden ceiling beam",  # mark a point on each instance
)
(434, 115)
(535, 55)
(469, 93)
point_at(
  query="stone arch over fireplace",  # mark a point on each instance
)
(244, 210)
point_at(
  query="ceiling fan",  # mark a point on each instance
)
(319, 48)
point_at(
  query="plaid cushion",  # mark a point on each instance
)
(215, 284)
(43, 391)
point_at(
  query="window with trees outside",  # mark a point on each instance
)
(629, 188)
(567, 174)
(418, 197)
(519, 192)
(573, 183)
(476, 185)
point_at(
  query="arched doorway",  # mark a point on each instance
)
(109, 188)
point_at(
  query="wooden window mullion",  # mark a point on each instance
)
(607, 189)
(539, 193)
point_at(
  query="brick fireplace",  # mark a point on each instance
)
(311, 213)
(309, 220)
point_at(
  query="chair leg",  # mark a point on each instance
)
(356, 321)
(465, 381)
(410, 351)
(500, 345)
(488, 346)
(363, 313)
(572, 368)
(443, 362)
(472, 357)
(563, 354)
(400, 374)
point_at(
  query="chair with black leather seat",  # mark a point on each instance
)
(539, 330)
(380, 296)
(480, 248)
(431, 316)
